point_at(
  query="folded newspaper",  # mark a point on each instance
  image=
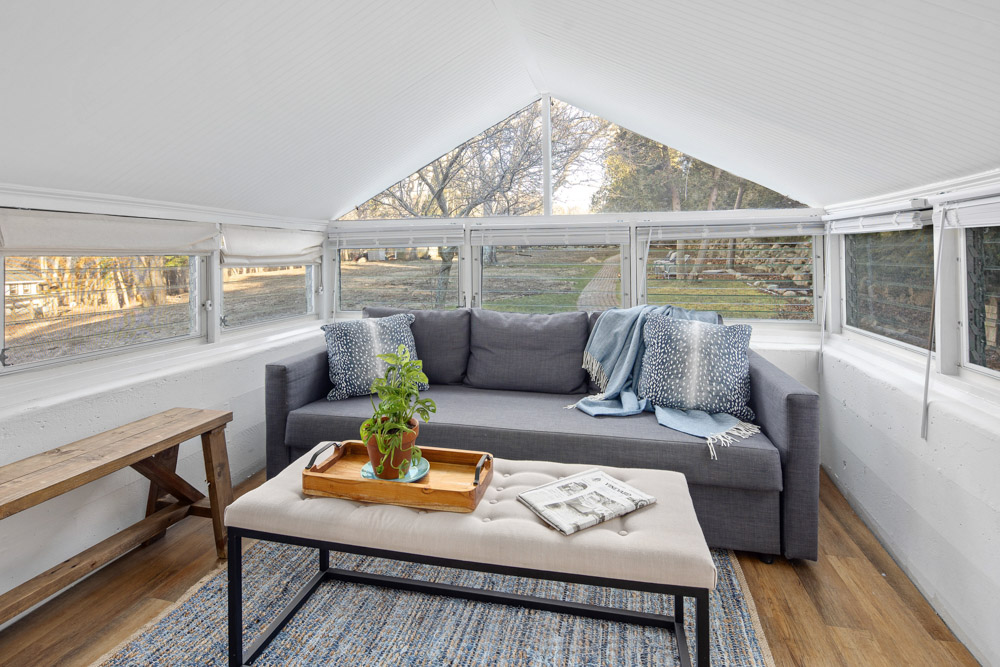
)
(583, 500)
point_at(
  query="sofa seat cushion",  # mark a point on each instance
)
(528, 352)
(532, 425)
(442, 339)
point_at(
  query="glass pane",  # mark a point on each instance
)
(63, 306)
(983, 261)
(598, 166)
(498, 172)
(549, 279)
(889, 280)
(253, 294)
(416, 278)
(770, 279)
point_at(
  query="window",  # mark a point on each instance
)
(251, 295)
(414, 278)
(56, 307)
(983, 285)
(598, 166)
(741, 278)
(889, 282)
(549, 278)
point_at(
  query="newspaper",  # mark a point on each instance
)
(583, 500)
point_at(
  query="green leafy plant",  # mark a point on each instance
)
(399, 401)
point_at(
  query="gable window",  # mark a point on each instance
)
(65, 306)
(889, 282)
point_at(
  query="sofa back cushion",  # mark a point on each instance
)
(442, 339)
(528, 352)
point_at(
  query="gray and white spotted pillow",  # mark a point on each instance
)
(352, 348)
(692, 365)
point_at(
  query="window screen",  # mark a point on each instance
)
(416, 278)
(889, 281)
(251, 295)
(748, 278)
(550, 278)
(983, 280)
(57, 307)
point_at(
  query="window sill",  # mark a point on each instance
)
(51, 384)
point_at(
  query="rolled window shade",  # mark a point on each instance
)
(972, 213)
(887, 222)
(731, 230)
(54, 232)
(562, 235)
(263, 246)
(412, 235)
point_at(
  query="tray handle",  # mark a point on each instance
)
(326, 446)
(479, 467)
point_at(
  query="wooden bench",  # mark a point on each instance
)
(148, 446)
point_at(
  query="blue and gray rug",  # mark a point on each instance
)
(350, 624)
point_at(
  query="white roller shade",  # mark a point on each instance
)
(407, 235)
(551, 235)
(887, 222)
(54, 232)
(259, 246)
(972, 213)
(731, 230)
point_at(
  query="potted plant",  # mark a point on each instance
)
(391, 432)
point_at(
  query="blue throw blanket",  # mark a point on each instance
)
(613, 357)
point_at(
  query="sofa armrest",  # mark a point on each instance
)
(788, 413)
(288, 385)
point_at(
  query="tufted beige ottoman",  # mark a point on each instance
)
(659, 548)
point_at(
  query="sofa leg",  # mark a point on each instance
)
(767, 559)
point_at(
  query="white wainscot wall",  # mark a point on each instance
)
(223, 379)
(934, 504)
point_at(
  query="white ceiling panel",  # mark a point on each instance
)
(304, 108)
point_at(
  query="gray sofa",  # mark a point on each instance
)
(501, 383)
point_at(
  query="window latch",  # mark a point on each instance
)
(208, 305)
(3, 358)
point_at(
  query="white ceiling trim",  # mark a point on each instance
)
(47, 199)
(901, 200)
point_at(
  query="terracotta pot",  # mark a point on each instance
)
(399, 455)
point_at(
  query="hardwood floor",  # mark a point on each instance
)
(852, 607)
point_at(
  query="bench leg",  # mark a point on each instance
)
(168, 459)
(220, 486)
(235, 599)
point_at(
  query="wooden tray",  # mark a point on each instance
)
(456, 482)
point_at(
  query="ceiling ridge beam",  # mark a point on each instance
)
(507, 17)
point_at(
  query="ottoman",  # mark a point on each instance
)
(659, 548)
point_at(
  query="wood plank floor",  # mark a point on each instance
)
(852, 607)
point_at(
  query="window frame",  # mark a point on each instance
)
(313, 271)
(460, 265)
(965, 361)
(881, 338)
(200, 325)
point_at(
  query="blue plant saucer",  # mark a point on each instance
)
(414, 474)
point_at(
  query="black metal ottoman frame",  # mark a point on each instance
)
(674, 623)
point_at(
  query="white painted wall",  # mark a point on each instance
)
(934, 504)
(227, 377)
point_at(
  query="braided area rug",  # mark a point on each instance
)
(351, 624)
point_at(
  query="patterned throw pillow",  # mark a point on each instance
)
(353, 346)
(691, 365)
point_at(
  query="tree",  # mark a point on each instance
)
(498, 172)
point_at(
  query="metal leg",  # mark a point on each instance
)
(680, 634)
(235, 541)
(324, 559)
(701, 628)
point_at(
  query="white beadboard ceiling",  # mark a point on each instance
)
(305, 108)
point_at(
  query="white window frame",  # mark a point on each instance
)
(966, 365)
(200, 324)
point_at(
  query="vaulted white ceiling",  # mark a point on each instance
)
(305, 108)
